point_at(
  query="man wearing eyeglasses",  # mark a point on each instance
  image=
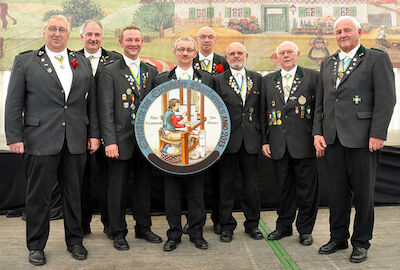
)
(121, 88)
(287, 105)
(240, 89)
(50, 113)
(184, 52)
(94, 180)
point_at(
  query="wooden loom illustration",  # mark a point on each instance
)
(190, 140)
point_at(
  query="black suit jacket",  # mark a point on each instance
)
(245, 120)
(370, 78)
(115, 81)
(294, 131)
(36, 112)
(217, 60)
(107, 57)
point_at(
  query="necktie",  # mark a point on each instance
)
(239, 82)
(343, 65)
(60, 59)
(286, 89)
(185, 76)
(205, 64)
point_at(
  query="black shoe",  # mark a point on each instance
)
(306, 239)
(149, 236)
(200, 243)
(255, 233)
(171, 244)
(358, 255)
(78, 252)
(217, 228)
(120, 243)
(332, 247)
(277, 234)
(36, 257)
(226, 236)
(185, 228)
(86, 230)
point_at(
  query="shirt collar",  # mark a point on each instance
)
(51, 54)
(242, 71)
(179, 71)
(129, 62)
(290, 72)
(209, 57)
(350, 54)
(96, 54)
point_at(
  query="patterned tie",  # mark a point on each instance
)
(205, 64)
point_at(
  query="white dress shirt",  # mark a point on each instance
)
(63, 70)
(210, 58)
(288, 82)
(240, 75)
(184, 74)
(342, 56)
(134, 65)
(95, 60)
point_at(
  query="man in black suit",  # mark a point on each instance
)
(50, 113)
(354, 104)
(240, 89)
(287, 102)
(184, 52)
(95, 181)
(122, 86)
(207, 60)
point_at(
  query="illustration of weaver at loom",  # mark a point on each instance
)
(182, 136)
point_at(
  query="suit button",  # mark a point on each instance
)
(286, 116)
(65, 107)
(62, 91)
(284, 131)
(337, 100)
(241, 125)
(63, 124)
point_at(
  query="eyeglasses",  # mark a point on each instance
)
(206, 36)
(189, 50)
(53, 29)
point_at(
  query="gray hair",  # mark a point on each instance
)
(356, 23)
(287, 43)
(235, 43)
(184, 38)
(57, 17)
(82, 30)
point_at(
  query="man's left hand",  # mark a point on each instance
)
(375, 144)
(93, 144)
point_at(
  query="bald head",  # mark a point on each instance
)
(236, 55)
(206, 40)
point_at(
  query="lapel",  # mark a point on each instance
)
(355, 62)
(278, 85)
(172, 74)
(196, 62)
(104, 58)
(127, 75)
(75, 70)
(249, 84)
(45, 63)
(196, 75)
(144, 76)
(232, 83)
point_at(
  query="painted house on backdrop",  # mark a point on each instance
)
(279, 15)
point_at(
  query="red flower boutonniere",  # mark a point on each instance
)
(74, 63)
(219, 68)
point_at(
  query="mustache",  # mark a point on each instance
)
(93, 42)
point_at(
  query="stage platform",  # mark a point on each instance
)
(242, 253)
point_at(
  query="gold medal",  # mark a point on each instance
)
(128, 91)
(302, 100)
(279, 122)
(62, 67)
(124, 97)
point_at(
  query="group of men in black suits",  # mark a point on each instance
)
(54, 114)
